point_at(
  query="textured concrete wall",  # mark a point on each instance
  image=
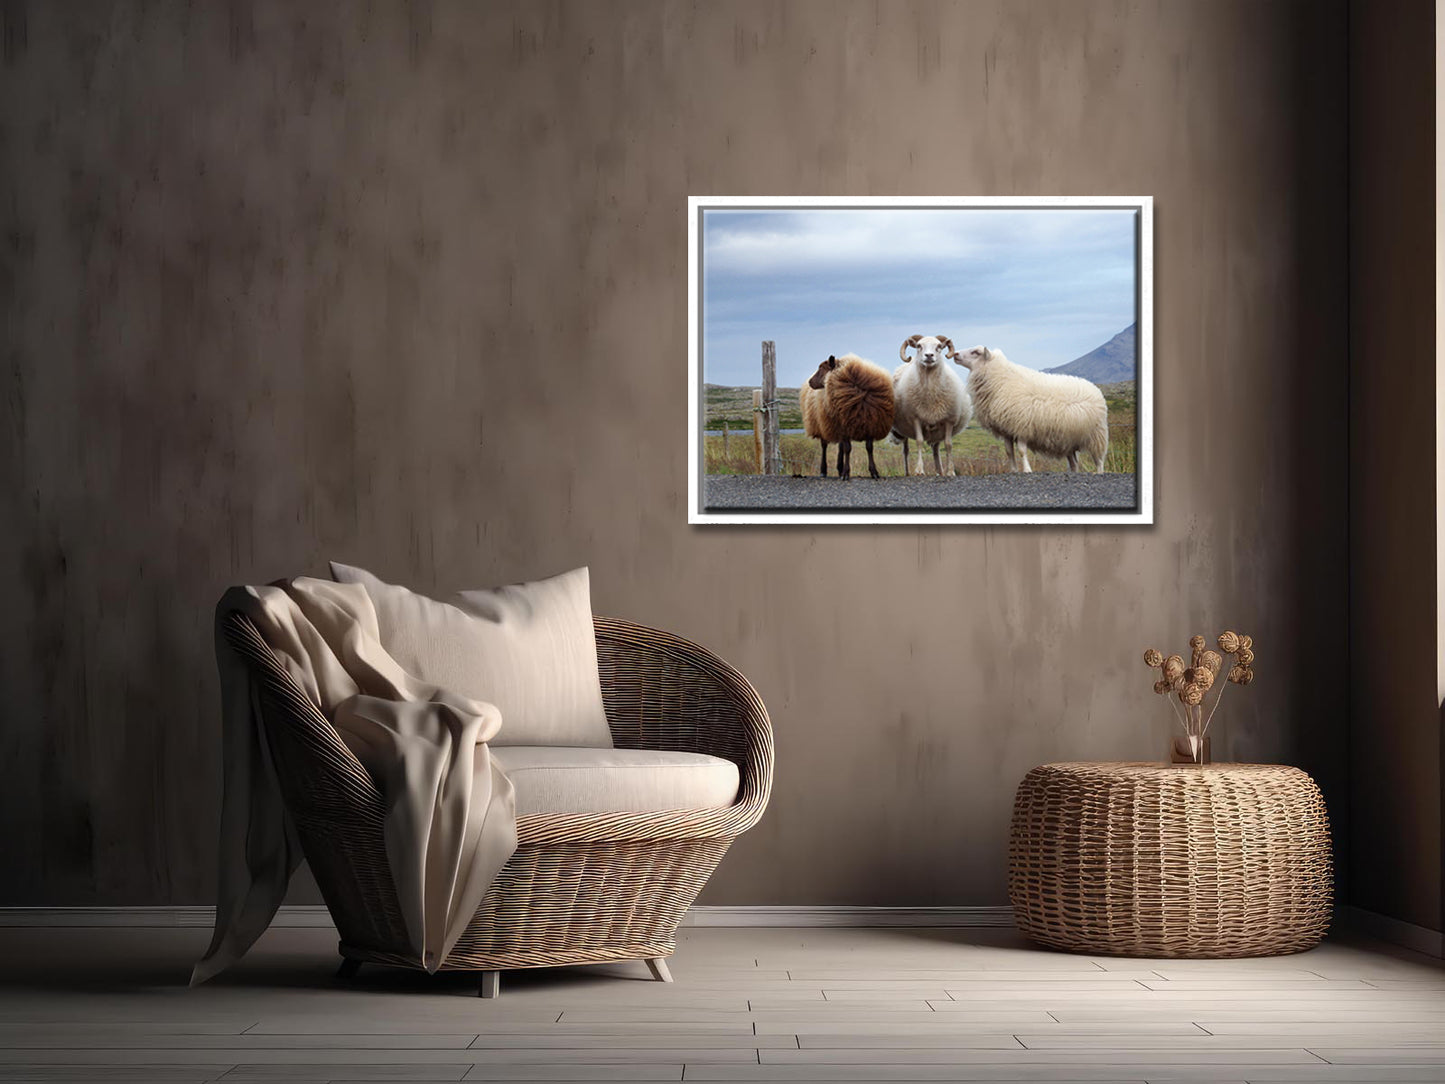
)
(1395, 748)
(404, 284)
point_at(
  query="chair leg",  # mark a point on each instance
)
(658, 966)
(348, 968)
(491, 984)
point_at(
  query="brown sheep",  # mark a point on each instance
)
(847, 399)
(817, 422)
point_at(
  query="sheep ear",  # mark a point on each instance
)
(946, 341)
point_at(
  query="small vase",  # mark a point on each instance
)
(1189, 749)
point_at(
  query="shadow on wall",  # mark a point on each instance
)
(1317, 534)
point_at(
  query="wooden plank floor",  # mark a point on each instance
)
(747, 1005)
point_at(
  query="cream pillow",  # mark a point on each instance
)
(528, 648)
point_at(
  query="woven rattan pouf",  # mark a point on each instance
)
(1152, 860)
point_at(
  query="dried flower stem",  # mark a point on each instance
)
(1184, 723)
(1175, 706)
(1212, 710)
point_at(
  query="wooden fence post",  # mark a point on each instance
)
(771, 447)
(758, 427)
(725, 440)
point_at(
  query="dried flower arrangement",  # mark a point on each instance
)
(1191, 683)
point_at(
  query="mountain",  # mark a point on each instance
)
(1116, 360)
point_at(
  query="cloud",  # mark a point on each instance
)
(779, 242)
(1044, 284)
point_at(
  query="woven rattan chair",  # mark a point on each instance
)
(581, 888)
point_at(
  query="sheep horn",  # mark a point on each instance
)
(946, 341)
(909, 342)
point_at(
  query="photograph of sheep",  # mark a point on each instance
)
(895, 360)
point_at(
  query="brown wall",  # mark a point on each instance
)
(404, 285)
(1395, 751)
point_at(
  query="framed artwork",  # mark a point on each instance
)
(920, 361)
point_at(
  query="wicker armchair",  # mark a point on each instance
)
(581, 888)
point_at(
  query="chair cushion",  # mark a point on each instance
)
(528, 648)
(555, 779)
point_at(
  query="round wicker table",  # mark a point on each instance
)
(1171, 861)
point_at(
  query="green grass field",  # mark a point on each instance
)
(735, 407)
(975, 451)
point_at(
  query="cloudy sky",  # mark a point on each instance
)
(1043, 285)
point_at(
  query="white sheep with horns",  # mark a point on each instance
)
(1051, 413)
(931, 401)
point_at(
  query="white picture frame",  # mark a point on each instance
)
(699, 510)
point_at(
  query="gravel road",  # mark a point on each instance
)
(1032, 492)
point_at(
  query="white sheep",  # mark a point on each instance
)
(931, 401)
(1048, 412)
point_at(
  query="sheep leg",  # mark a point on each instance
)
(1024, 453)
(1008, 443)
(918, 436)
(823, 470)
(1099, 459)
(948, 443)
(845, 459)
(1073, 462)
(872, 466)
(937, 466)
(905, 457)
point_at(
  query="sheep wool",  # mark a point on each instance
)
(938, 404)
(1052, 413)
(860, 399)
(817, 422)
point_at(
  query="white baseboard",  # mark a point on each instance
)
(1394, 930)
(849, 916)
(314, 916)
(295, 916)
(288, 917)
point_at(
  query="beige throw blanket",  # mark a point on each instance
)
(450, 820)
